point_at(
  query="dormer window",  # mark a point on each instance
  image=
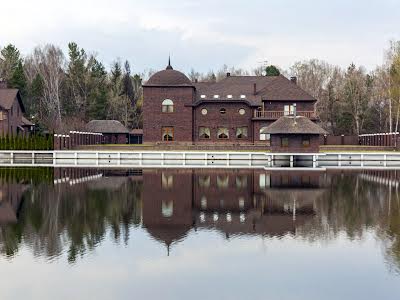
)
(242, 96)
(216, 96)
(202, 96)
(229, 96)
(167, 106)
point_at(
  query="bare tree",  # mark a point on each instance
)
(48, 61)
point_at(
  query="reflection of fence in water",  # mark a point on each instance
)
(389, 178)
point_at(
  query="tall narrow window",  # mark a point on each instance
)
(168, 134)
(204, 132)
(223, 133)
(167, 181)
(284, 142)
(167, 208)
(241, 133)
(167, 106)
(204, 181)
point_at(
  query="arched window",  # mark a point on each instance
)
(167, 208)
(167, 106)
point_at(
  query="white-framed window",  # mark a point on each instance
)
(264, 136)
(242, 111)
(167, 181)
(167, 208)
(167, 106)
(204, 111)
(288, 110)
(264, 181)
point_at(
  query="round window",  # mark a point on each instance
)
(242, 111)
(222, 110)
(204, 111)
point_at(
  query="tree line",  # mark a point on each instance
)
(64, 91)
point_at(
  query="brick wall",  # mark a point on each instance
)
(167, 187)
(231, 120)
(295, 143)
(154, 119)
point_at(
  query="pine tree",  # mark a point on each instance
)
(10, 57)
(18, 79)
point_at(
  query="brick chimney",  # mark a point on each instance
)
(254, 89)
(293, 79)
(3, 84)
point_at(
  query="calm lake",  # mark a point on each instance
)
(199, 234)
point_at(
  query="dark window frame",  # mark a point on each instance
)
(284, 142)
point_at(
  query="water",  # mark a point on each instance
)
(199, 234)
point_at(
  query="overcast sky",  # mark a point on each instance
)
(209, 33)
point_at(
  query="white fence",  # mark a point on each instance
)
(198, 159)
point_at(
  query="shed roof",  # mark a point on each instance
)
(293, 125)
(106, 126)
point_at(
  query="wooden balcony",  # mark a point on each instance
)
(274, 115)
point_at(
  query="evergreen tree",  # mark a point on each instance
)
(18, 79)
(10, 59)
(272, 71)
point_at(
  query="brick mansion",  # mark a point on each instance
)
(267, 110)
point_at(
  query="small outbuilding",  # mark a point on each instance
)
(294, 134)
(113, 131)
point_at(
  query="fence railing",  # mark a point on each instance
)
(76, 138)
(261, 114)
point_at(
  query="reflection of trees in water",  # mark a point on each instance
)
(353, 206)
(76, 217)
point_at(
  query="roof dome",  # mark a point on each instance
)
(169, 76)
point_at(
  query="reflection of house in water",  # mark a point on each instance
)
(10, 201)
(257, 203)
(167, 204)
(233, 202)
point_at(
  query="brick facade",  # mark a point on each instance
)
(180, 119)
(295, 143)
(231, 120)
(183, 125)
